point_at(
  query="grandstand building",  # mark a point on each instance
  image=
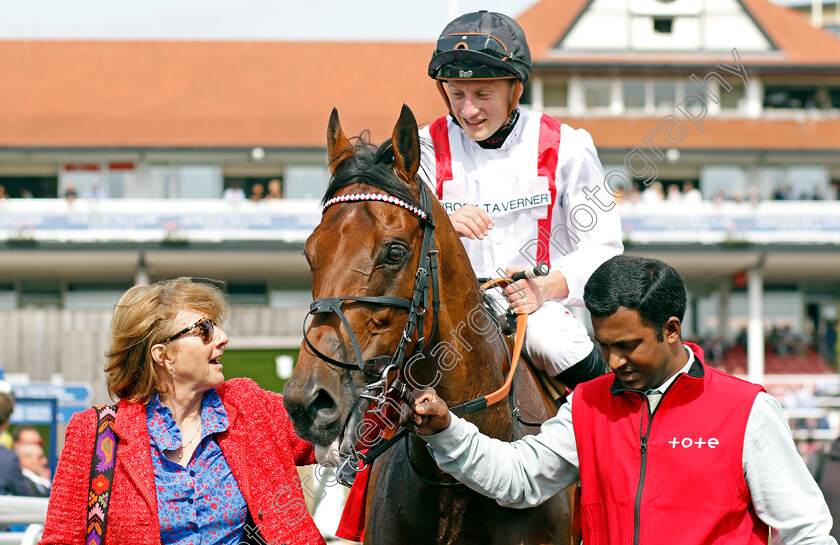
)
(128, 149)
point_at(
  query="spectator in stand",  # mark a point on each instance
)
(674, 194)
(234, 193)
(784, 193)
(720, 196)
(274, 190)
(257, 193)
(654, 193)
(26, 194)
(94, 193)
(12, 480)
(70, 192)
(691, 195)
(3, 194)
(33, 463)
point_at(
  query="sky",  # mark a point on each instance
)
(417, 20)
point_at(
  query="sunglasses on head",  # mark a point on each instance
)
(205, 331)
(483, 43)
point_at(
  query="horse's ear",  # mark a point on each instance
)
(406, 144)
(338, 145)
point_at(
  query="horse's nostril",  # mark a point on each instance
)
(322, 401)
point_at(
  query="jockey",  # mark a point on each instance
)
(520, 188)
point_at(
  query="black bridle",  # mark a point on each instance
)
(424, 298)
(425, 287)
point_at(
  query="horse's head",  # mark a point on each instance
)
(363, 256)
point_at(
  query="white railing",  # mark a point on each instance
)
(733, 223)
(22, 510)
(155, 220)
(214, 220)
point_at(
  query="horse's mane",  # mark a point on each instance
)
(374, 166)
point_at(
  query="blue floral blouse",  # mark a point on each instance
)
(200, 503)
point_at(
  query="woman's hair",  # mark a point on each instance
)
(649, 286)
(143, 317)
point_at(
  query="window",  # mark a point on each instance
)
(40, 294)
(596, 92)
(733, 99)
(81, 180)
(665, 94)
(663, 25)
(305, 182)
(634, 94)
(8, 296)
(121, 180)
(727, 182)
(185, 182)
(834, 97)
(248, 293)
(93, 295)
(37, 187)
(555, 94)
(790, 97)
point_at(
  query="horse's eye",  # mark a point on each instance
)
(395, 255)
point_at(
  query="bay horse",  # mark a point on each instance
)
(381, 230)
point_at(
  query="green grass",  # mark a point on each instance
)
(257, 365)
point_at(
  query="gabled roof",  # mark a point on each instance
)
(206, 94)
(798, 43)
(546, 22)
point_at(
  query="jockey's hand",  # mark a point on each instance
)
(525, 296)
(471, 221)
(429, 415)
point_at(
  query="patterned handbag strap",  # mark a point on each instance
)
(102, 467)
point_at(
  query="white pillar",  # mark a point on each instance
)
(755, 327)
(755, 97)
(724, 287)
(817, 13)
(141, 274)
(577, 102)
(537, 100)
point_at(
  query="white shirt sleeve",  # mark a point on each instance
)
(783, 492)
(580, 172)
(520, 474)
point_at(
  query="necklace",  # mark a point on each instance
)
(188, 443)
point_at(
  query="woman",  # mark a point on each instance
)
(198, 459)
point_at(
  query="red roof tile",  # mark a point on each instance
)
(166, 94)
(205, 94)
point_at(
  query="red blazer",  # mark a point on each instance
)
(260, 447)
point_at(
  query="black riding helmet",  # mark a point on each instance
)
(481, 45)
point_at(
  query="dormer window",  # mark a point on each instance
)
(663, 25)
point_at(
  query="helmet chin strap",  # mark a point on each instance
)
(517, 92)
(445, 96)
